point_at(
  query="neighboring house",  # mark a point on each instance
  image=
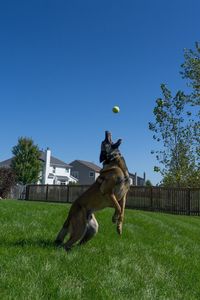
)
(136, 180)
(86, 172)
(6, 163)
(54, 171)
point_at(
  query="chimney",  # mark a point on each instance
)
(144, 178)
(136, 179)
(47, 165)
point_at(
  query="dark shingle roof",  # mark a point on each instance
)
(89, 165)
(54, 161)
(6, 163)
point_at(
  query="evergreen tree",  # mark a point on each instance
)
(26, 163)
(148, 183)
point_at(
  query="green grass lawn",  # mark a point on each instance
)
(157, 257)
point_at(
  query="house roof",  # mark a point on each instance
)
(54, 161)
(88, 164)
(6, 163)
(133, 176)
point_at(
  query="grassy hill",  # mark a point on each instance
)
(157, 257)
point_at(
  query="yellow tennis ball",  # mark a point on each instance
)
(116, 109)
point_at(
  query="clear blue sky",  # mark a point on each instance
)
(64, 64)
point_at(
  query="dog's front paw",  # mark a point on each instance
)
(119, 228)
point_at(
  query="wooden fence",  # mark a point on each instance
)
(174, 200)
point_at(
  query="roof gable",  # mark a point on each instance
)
(54, 161)
(6, 163)
(88, 164)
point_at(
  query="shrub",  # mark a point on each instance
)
(7, 180)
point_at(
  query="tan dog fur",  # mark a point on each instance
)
(110, 189)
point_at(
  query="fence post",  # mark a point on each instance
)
(27, 192)
(47, 190)
(188, 201)
(68, 193)
(151, 198)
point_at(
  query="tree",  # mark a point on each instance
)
(7, 180)
(26, 163)
(172, 128)
(177, 127)
(191, 72)
(148, 183)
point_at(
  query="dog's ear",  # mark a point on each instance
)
(117, 144)
(119, 141)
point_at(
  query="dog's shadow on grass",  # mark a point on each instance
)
(35, 243)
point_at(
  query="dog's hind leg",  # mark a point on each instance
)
(78, 228)
(91, 229)
(62, 233)
(75, 237)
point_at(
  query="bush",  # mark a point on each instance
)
(7, 180)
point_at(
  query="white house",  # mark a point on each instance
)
(54, 170)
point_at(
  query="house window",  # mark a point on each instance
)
(54, 169)
(75, 174)
(91, 174)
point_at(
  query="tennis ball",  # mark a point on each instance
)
(116, 109)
